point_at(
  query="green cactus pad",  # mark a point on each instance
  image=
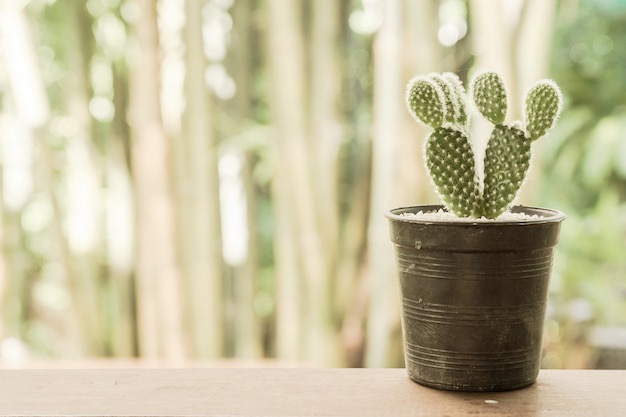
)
(507, 159)
(490, 97)
(543, 105)
(453, 103)
(450, 163)
(426, 101)
(458, 94)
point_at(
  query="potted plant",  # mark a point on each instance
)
(474, 271)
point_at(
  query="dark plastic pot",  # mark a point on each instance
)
(474, 297)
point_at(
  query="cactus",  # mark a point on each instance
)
(439, 101)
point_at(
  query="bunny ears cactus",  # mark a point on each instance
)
(439, 101)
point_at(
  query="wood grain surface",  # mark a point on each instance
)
(295, 392)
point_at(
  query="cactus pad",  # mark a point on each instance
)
(426, 101)
(458, 93)
(507, 159)
(490, 97)
(450, 161)
(543, 105)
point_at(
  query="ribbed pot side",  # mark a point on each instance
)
(474, 297)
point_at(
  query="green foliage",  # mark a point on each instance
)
(583, 167)
(438, 100)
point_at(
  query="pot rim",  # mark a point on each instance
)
(546, 215)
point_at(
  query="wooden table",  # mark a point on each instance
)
(295, 392)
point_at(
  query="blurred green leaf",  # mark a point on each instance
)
(597, 162)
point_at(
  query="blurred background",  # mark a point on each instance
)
(204, 182)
